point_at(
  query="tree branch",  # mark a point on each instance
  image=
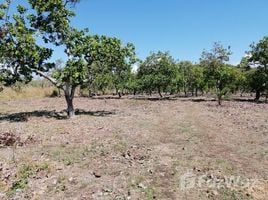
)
(52, 80)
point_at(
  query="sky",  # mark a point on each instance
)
(182, 27)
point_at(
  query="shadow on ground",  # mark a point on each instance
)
(250, 100)
(24, 116)
(154, 98)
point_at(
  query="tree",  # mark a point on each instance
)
(133, 84)
(185, 69)
(198, 81)
(259, 59)
(243, 76)
(19, 54)
(103, 80)
(177, 81)
(256, 80)
(69, 78)
(157, 72)
(218, 75)
(108, 57)
(22, 54)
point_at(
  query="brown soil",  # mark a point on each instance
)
(132, 149)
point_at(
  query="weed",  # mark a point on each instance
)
(149, 193)
(24, 173)
(229, 194)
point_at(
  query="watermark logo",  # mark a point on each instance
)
(190, 180)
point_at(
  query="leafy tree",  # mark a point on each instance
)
(177, 81)
(157, 72)
(244, 64)
(22, 54)
(185, 69)
(259, 59)
(192, 77)
(133, 84)
(102, 81)
(241, 83)
(218, 75)
(198, 81)
(243, 76)
(109, 57)
(122, 69)
(19, 53)
(256, 80)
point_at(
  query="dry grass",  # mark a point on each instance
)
(26, 93)
(122, 149)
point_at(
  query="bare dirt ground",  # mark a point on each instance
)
(134, 149)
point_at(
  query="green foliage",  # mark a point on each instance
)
(218, 75)
(24, 173)
(133, 83)
(198, 80)
(157, 72)
(51, 18)
(259, 59)
(74, 73)
(20, 53)
(102, 82)
(108, 61)
(191, 77)
(186, 71)
(149, 193)
(241, 81)
(257, 79)
(101, 63)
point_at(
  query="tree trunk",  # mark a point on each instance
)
(258, 95)
(219, 100)
(69, 96)
(90, 93)
(119, 95)
(59, 91)
(70, 107)
(117, 91)
(241, 93)
(159, 92)
(196, 92)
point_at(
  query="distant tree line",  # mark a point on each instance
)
(100, 63)
(160, 73)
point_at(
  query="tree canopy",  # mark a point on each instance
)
(100, 63)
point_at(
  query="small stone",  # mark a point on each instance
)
(96, 174)
(55, 182)
(59, 168)
(71, 180)
(141, 186)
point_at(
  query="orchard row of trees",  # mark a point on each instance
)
(99, 63)
(160, 73)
